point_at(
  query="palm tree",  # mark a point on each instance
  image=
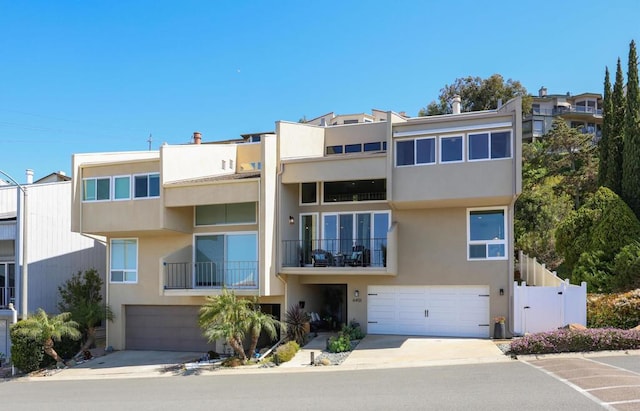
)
(89, 314)
(258, 322)
(42, 327)
(226, 316)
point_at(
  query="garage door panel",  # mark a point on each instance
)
(165, 328)
(456, 311)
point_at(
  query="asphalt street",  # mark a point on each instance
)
(493, 386)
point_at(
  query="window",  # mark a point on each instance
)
(124, 260)
(405, 153)
(350, 122)
(353, 148)
(356, 190)
(484, 146)
(309, 193)
(226, 260)
(486, 234)
(538, 127)
(147, 185)
(372, 146)
(450, 149)
(366, 232)
(236, 213)
(122, 188)
(426, 150)
(96, 189)
(334, 150)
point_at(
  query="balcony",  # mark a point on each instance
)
(345, 253)
(560, 110)
(236, 275)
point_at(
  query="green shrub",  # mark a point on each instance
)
(565, 340)
(287, 351)
(614, 310)
(341, 343)
(26, 353)
(595, 271)
(604, 223)
(66, 349)
(626, 268)
(354, 332)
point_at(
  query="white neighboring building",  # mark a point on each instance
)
(54, 253)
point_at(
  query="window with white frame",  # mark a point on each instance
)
(489, 145)
(124, 260)
(343, 233)
(146, 185)
(122, 187)
(487, 234)
(96, 189)
(451, 149)
(416, 151)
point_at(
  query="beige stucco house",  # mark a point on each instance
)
(403, 225)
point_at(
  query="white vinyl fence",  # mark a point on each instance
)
(549, 303)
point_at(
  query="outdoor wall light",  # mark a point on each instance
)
(502, 291)
(291, 220)
(356, 294)
(301, 304)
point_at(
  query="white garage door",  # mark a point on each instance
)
(447, 311)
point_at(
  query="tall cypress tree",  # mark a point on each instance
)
(616, 133)
(631, 149)
(603, 144)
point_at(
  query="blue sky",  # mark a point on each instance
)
(89, 76)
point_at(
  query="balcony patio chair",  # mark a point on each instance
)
(321, 258)
(360, 257)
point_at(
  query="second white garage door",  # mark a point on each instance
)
(447, 311)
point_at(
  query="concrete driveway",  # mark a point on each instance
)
(374, 351)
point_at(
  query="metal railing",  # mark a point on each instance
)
(562, 110)
(211, 274)
(366, 252)
(373, 196)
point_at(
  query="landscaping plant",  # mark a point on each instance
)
(565, 340)
(341, 343)
(614, 310)
(296, 321)
(287, 351)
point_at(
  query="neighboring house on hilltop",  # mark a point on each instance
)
(402, 224)
(53, 252)
(582, 111)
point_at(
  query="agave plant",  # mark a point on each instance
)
(295, 319)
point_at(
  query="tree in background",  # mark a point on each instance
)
(591, 237)
(572, 155)
(478, 94)
(631, 150)
(603, 145)
(616, 133)
(81, 295)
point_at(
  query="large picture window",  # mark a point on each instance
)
(487, 234)
(354, 190)
(226, 260)
(451, 149)
(122, 188)
(124, 260)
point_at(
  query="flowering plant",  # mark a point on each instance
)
(500, 320)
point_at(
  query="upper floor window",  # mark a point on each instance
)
(96, 189)
(354, 190)
(451, 149)
(122, 188)
(484, 146)
(418, 151)
(309, 193)
(356, 148)
(147, 185)
(487, 234)
(124, 260)
(235, 213)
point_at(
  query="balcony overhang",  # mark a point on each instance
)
(341, 271)
(218, 192)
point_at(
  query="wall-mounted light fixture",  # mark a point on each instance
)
(502, 291)
(356, 294)
(301, 304)
(291, 220)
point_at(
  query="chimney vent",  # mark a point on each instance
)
(542, 92)
(197, 137)
(455, 106)
(29, 174)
